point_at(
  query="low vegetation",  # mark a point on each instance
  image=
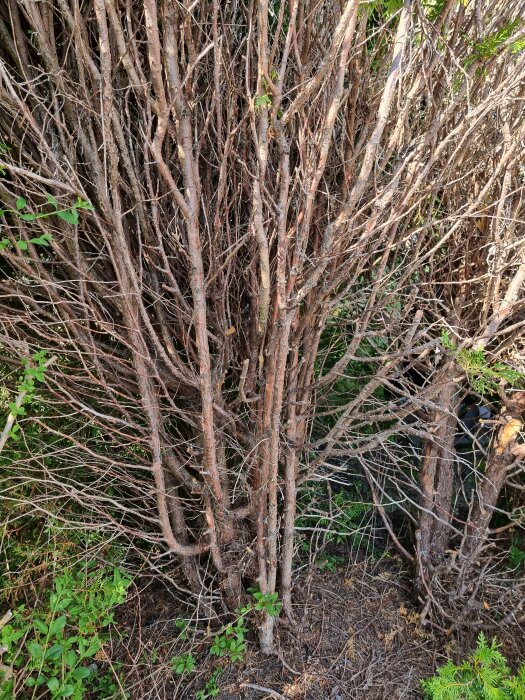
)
(485, 675)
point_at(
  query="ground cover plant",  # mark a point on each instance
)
(53, 646)
(485, 675)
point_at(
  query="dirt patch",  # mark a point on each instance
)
(356, 635)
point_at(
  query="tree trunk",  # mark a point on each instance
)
(437, 477)
(501, 456)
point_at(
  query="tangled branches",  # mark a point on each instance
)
(292, 202)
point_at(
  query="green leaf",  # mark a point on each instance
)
(517, 46)
(70, 658)
(54, 652)
(52, 200)
(57, 625)
(9, 636)
(28, 217)
(62, 604)
(22, 245)
(262, 101)
(80, 673)
(44, 239)
(39, 624)
(93, 648)
(35, 650)
(20, 203)
(53, 684)
(69, 215)
(83, 204)
(185, 663)
(67, 691)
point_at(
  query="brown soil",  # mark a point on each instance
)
(357, 636)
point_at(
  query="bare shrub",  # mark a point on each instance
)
(293, 201)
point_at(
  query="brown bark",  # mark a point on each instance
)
(501, 457)
(437, 477)
(276, 200)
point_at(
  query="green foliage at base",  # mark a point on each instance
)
(210, 690)
(228, 642)
(485, 675)
(53, 645)
(184, 663)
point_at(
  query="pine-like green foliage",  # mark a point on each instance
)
(484, 376)
(485, 675)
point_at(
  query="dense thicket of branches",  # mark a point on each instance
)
(293, 202)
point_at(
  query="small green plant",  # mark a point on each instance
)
(262, 101)
(489, 46)
(68, 214)
(183, 626)
(446, 341)
(230, 641)
(330, 562)
(210, 690)
(34, 371)
(267, 602)
(516, 557)
(483, 376)
(485, 675)
(184, 663)
(109, 686)
(52, 646)
(45, 239)
(517, 46)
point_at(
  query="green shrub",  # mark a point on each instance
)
(230, 639)
(485, 675)
(52, 646)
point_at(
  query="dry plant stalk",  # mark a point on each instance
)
(284, 192)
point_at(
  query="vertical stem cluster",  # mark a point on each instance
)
(293, 202)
